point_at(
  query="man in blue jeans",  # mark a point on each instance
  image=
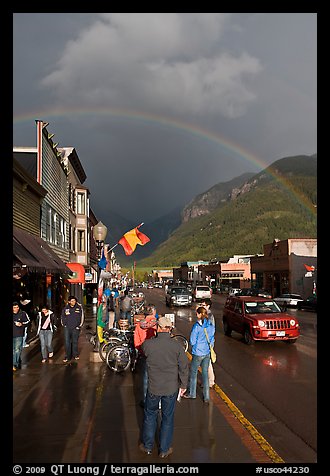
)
(72, 319)
(167, 366)
(20, 322)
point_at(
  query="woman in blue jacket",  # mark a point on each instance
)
(200, 353)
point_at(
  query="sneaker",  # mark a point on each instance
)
(76, 357)
(44, 360)
(165, 454)
(65, 360)
(14, 368)
(188, 396)
(206, 402)
(51, 355)
(144, 449)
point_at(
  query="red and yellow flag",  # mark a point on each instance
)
(131, 239)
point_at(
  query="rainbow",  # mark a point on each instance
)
(154, 119)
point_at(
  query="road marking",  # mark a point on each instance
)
(257, 437)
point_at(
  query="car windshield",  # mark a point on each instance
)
(202, 288)
(265, 307)
(179, 291)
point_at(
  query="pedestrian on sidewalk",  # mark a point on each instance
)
(111, 310)
(20, 322)
(207, 304)
(200, 353)
(145, 329)
(72, 319)
(46, 329)
(26, 305)
(126, 304)
(167, 365)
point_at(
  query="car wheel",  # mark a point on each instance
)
(226, 328)
(247, 337)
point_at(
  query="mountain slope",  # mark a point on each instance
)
(279, 202)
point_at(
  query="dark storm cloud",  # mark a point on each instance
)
(124, 83)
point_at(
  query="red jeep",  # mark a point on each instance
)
(258, 318)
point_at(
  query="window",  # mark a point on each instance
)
(81, 240)
(81, 203)
(48, 222)
(61, 235)
(70, 195)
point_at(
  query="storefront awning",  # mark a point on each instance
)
(34, 253)
(78, 272)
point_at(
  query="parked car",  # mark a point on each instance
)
(178, 296)
(201, 292)
(309, 303)
(288, 299)
(256, 292)
(258, 318)
(233, 291)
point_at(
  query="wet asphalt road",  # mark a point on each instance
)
(83, 412)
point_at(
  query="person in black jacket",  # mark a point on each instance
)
(72, 319)
(46, 328)
(167, 366)
(20, 322)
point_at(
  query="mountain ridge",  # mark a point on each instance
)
(277, 202)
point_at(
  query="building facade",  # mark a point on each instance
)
(282, 269)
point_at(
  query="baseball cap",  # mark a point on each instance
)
(164, 321)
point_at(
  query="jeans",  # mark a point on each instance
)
(126, 315)
(202, 361)
(71, 342)
(144, 369)
(151, 408)
(46, 337)
(17, 350)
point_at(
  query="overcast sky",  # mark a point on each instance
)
(162, 106)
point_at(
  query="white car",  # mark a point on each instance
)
(201, 292)
(288, 299)
(233, 291)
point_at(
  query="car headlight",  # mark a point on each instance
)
(292, 322)
(261, 323)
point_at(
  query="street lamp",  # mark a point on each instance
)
(99, 233)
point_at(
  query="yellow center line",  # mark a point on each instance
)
(266, 447)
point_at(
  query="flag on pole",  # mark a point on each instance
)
(131, 239)
(103, 261)
(309, 268)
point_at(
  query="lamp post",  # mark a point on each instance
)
(99, 234)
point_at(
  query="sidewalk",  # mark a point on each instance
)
(94, 416)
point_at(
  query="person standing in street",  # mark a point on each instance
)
(20, 322)
(46, 328)
(200, 353)
(72, 319)
(167, 366)
(207, 304)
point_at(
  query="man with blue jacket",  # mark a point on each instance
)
(72, 319)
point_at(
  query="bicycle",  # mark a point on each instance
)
(122, 355)
(181, 339)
